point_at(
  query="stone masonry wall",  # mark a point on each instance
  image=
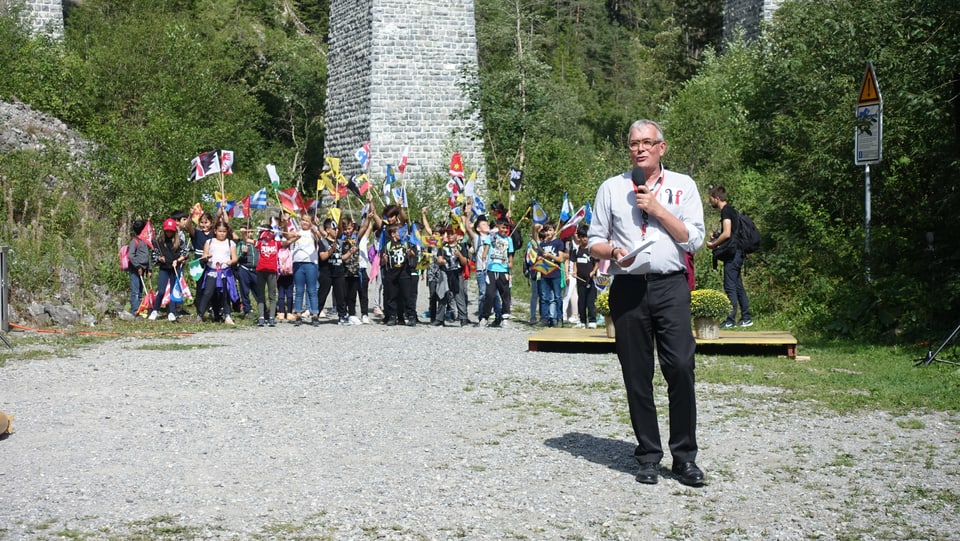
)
(396, 70)
(46, 16)
(746, 14)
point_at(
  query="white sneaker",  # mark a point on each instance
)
(354, 320)
(377, 312)
(365, 320)
(579, 325)
(506, 316)
(228, 320)
(171, 316)
(153, 316)
(591, 325)
(573, 319)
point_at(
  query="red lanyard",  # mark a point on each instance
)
(646, 217)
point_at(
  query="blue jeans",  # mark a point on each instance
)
(733, 287)
(550, 299)
(305, 283)
(247, 280)
(167, 279)
(534, 298)
(136, 291)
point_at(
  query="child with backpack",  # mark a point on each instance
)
(138, 264)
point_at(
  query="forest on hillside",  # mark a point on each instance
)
(154, 83)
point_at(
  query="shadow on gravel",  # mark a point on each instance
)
(614, 454)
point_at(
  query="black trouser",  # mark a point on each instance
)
(324, 284)
(587, 301)
(340, 295)
(410, 295)
(649, 311)
(352, 287)
(499, 281)
(394, 289)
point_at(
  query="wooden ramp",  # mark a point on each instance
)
(734, 342)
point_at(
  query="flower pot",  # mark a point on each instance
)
(611, 330)
(706, 328)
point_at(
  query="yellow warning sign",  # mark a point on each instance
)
(869, 90)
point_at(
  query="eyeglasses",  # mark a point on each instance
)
(645, 144)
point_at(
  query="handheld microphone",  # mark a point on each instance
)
(639, 179)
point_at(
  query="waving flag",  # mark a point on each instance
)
(588, 216)
(391, 177)
(207, 163)
(364, 182)
(479, 207)
(274, 177)
(570, 227)
(516, 176)
(402, 166)
(456, 165)
(226, 162)
(363, 155)
(566, 208)
(259, 199)
(539, 216)
(400, 196)
(544, 266)
(147, 234)
(353, 186)
(241, 209)
(291, 201)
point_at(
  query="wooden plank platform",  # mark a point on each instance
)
(736, 342)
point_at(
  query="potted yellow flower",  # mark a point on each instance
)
(603, 308)
(708, 307)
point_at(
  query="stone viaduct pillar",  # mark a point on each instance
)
(396, 71)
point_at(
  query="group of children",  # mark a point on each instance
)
(291, 267)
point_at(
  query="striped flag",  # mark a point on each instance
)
(566, 209)
(259, 199)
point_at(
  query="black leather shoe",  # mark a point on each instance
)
(437, 323)
(391, 322)
(649, 473)
(496, 323)
(688, 473)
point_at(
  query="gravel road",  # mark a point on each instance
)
(370, 432)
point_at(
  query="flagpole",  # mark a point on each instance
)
(517, 223)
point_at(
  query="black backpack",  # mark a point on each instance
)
(748, 238)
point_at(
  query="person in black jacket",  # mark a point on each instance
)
(732, 279)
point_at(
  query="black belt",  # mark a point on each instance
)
(652, 277)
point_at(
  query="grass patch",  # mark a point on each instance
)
(845, 377)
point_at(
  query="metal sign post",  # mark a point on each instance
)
(868, 142)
